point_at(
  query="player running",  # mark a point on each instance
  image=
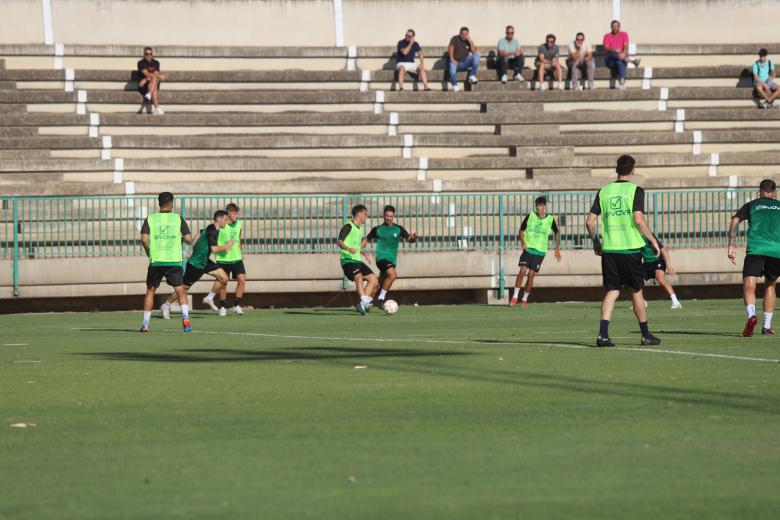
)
(534, 237)
(621, 205)
(763, 252)
(387, 235)
(231, 261)
(200, 262)
(350, 242)
(161, 236)
(656, 267)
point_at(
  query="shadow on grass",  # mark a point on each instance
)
(227, 355)
(594, 387)
(323, 312)
(701, 333)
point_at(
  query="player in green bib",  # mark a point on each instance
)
(231, 260)
(656, 268)
(624, 229)
(534, 238)
(200, 262)
(162, 234)
(350, 242)
(763, 252)
(387, 236)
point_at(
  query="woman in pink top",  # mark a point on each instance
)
(616, 52)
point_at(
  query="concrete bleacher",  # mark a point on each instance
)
(330, 120)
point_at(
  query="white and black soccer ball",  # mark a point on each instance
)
(390, 307)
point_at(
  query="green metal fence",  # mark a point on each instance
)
(57, 227)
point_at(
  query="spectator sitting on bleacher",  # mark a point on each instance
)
(764, 81)
(581, 61)
(149, 82)
(616, 53)
(463, 55)
(548, 59)
(404, 59)
(509, 55)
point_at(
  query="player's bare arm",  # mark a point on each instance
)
(558, 246)
(222, 249)
(732, 251)
(641, 224)
(667, 260)
(145, 243)
(590, 224)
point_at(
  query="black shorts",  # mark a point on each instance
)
(384, 265)
(192, 274)
(234, 269)
(172, 273)
(531, 261)
(620, 270)
(353, 269)
(656, 265)
(760, 265)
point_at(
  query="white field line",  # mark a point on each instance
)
(475, 342)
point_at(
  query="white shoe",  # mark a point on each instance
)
(158, 111)
(238, 310)
(519, 77)
(503, 78)
(166, 311)
(456, 88)
(473, 79)
(592, 86)
(561, 86)
(148, 97)
(621, 86)
(543, 87)
(211, 304)
(580, 88)
(222, 311)
(677, 305)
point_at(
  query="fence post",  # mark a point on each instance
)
(655, 213)
(184, 244)
(345, 218)
(15, 271)
(501, 275)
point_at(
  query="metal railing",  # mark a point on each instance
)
(57, 227)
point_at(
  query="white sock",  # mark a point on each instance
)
(210, 296)
(751, 310)
(166, 304)
(516, 293)
(366, 299)
(147, 316)
(768, 320)
(525, 296)
(185, 312)
(674, 299)
(148, 96)
(382, 294)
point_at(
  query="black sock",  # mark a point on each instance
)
(219, 302)
(604, 329)
(644, 329)
(236, 301)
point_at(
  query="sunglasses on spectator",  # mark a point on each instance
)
(550, 41)
(147, 54)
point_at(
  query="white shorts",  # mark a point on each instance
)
(407, 66)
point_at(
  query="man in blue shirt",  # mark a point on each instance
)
(404, 60)
(764, 81)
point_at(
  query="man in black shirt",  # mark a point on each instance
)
(149, 82)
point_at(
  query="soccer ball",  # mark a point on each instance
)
(390, 307)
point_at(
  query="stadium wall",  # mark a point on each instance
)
(303, 274)
(377, 22)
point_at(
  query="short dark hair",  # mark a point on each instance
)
(389, 208)
(763, 52)
(148, 49)
(509, 27)
(767, 186)
(625, 165)
(231, 207)
(412, 31)
(464, 28)
(357, 209)
(219, 214)
(551, 35)
(541, 200)
(579, 34)
(165, 198)
(614, 21)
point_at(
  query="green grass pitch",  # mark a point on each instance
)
(460, 412)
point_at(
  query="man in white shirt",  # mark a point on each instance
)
(581, 61)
